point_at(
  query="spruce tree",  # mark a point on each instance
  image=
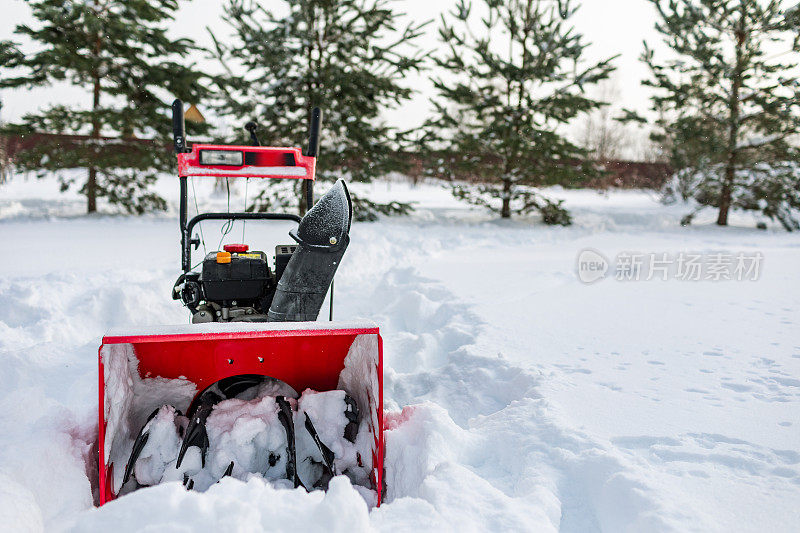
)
(119, 51)
(348, 57)
(516, 76)
(728, 104)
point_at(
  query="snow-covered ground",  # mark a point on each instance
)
(518, 398)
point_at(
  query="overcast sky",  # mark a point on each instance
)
(611, 26)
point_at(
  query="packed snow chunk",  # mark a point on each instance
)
(118, 385)
(328, 411)
(191, 469)
(359, 378)
(334, 417)
(163, 442)
(129, 399)
(249, 434)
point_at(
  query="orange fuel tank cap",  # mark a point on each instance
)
(223, 257)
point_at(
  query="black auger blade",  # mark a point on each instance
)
(138, 446)
(287, 421)
(351, 413)
(327, 455)
(233, 386)
(196, 434)
(350, 433)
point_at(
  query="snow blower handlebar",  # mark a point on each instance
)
(239, 161)
(246, 288)
(186, 243)
(313, 132)
(313, 149)
(178, 127)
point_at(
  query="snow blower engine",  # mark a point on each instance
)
(254, 386)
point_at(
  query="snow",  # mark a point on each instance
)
(161, 448)
(234, 327)
(758, 141)
(359, 378)
(516, 396)
(327, 414)
(245, 432)
(248, 432)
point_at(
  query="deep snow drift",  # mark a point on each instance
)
(518, 397)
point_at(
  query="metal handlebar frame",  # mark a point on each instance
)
(179, 137)
(188, 225)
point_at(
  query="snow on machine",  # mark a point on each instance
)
(254, 386)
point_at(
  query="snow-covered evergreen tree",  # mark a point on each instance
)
(349, 57)
(515, 76)
(729, 104)
(119, 51)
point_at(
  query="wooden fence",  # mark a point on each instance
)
(617, 173)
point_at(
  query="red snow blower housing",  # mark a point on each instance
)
(254, 385)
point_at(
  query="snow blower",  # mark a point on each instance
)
(254, 385)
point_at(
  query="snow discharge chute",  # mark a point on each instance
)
(322, 238)
(254, 386)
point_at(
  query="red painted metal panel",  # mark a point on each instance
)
(301, 361)
(269, 162)
(103, 492)
(380, 446)
(136, 339)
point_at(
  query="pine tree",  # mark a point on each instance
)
(518, 77)
(119, 51)
(729, 104)
(346, 56)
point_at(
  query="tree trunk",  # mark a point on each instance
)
(506, 210)
(726, 192)
(303, 195)
(91, 191)
(724, 202)
(91, 183)
(311, 67)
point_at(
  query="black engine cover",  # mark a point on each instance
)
(246, 277)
